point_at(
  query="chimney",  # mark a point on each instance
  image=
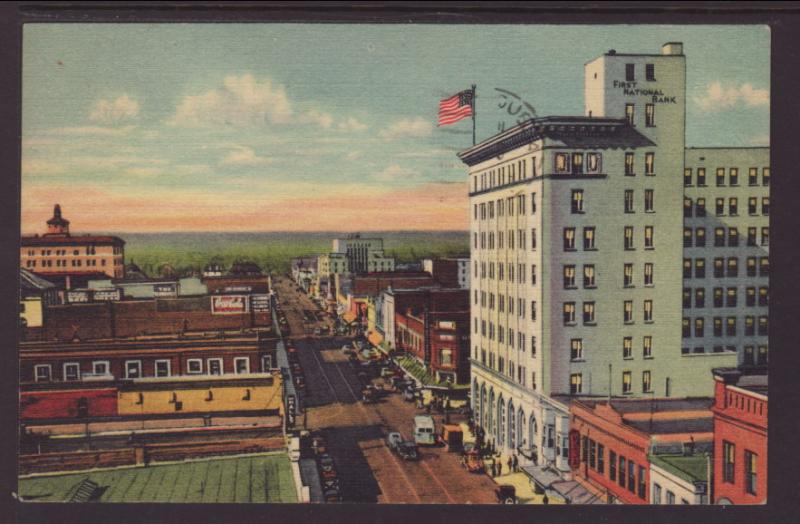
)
(672, 48)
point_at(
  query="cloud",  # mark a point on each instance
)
(407, 128)
(394, 172)
(244, 156)
(191, 169)
(242, 101)
(144, 171)
(351, 124)
(35, 167)
(719, 97)
(113, 111)
(354, 155)
(93, 131)
(316, 117)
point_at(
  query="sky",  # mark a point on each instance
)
(317, 127)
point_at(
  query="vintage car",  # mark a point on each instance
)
(473, 462)
(408, 451)
(506, 494)
(393, 440)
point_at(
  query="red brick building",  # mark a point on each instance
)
(433, 325)
(609, 443)
(740, 436)
(373, 283)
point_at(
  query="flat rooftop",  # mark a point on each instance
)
(254, 478)
(693, 468)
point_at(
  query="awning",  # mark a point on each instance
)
(544, 476)
(375, 338)
(574, 493)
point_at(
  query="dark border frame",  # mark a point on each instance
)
(784, 20)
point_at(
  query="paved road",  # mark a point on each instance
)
(356, 432)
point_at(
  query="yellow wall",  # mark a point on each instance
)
(33, 312)
(225, 398)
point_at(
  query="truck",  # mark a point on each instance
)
(452, 437)
(424, 430)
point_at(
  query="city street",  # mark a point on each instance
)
(356, 432)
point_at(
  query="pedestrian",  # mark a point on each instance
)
(545, 500)
(494, 468)
(499, 468)
(510, 464)
(516, 463)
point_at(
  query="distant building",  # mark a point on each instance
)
(35, 295)
(741, 410)
(449, 272)
(679, 478)
(364, 255)
(58, 252)
(213, 270)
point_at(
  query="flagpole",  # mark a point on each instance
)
(473, 114)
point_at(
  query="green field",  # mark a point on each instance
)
(256, 478)
(187, 253)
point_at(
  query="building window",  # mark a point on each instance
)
(627, 312)
(656, 494)
(700, 237)
(588, 238)
(720, 176)
(687, 237)
(717, 326)
(629, 200)
(751, 266)
(650, 115)
(569, 313)
(569, 239)
(648, 274)
(719, 205)
(751, 472)
(133, 369)
(763, 263)
(649, 164)
(628, 244)
(700, 297)
(764, 236)
(562, 166)
(719, 267)
(699, 327)
(733, 237)
(194, 366)
(627, 275)
(752, 176)
(728, 461)
(733, 267)
(647, 346)
(629, 114)
(763, 326)
(642, 486)
(648, 237)
(765, 206)
(101, 367)
(577, 201)
(730, 297)
(648, 311)
(42, 372)
(687, 298)
(750, 296)
(612, 465)
(765, 177)
(700, 268)
(700, 207)
(629, 171)
(687, 207)
(763, 296)
(733, 206)
(687, 177)
(626, 382)
(719, 237)
(569, 277)
(751, 236)
(627, 347)
(718, 297)
(631, 476)
(622, 467)
(588, 313)
(733, 176)
(686, 330)
(162, 368)
(575, 384)
(588, 276)
(749, 326)
(687, 268)
(72, 371)
(701, 177)
(242, 365)
(648, 201)
(577, 164)
(576, 349)
(593, 164)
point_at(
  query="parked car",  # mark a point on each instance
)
(409, 394)
(393, 440)
(369, 395)
(332, 495)
(408, 451)
(327, 466)
(506, 494)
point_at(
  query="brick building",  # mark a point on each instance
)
(609, 443)
(740, 436)
(58, 252)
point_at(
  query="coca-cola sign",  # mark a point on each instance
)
(229, 304)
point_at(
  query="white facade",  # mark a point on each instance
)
(726, 252)
(364, 255)
(576, 266)
(668, 488)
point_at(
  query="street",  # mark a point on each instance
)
(356, 432)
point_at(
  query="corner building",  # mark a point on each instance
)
(576, 257)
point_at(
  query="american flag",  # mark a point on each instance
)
(458, 106)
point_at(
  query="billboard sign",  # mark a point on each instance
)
(229, 304)
(107, 294)
(238, 289)
(165, 290)
(77, 296)
(291, 409)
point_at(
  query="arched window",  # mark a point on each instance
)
(523, 442)
(512, 426)
(490, 413)
(532, 431)
(501, 421)
(483, 420)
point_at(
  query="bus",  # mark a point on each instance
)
(424, 430)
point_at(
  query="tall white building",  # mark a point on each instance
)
(576, 252)
(726, 252)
